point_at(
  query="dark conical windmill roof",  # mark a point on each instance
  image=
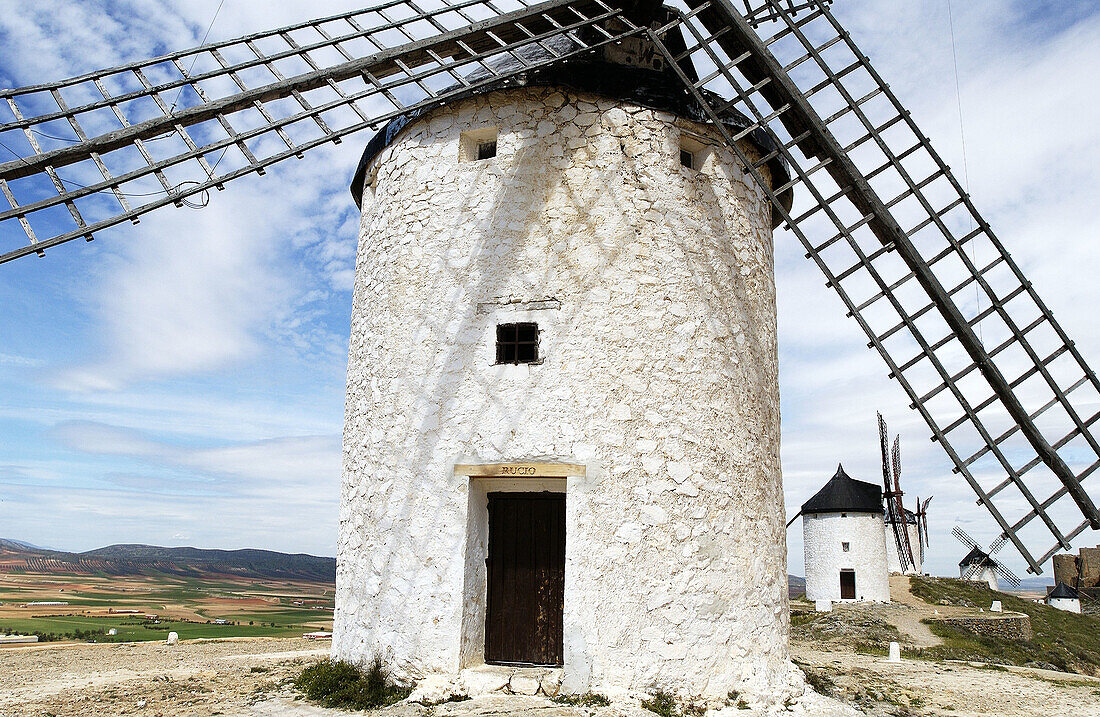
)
(1061, 590)
(977, 555)
(843, 494)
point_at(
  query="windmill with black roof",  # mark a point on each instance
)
(1064, 597)
(845, 542)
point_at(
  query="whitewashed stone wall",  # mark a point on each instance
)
(653, 288)
(986, 575)
(892, 561)
(1067, 604)
(823, 537)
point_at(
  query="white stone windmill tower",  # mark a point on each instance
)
(844, 542)
(564, 287)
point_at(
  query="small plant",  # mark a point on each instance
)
(663, 704)
(818, 680)
(589, 699)
(334, 683)
(734, 698)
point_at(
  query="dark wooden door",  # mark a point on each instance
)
(526, 576)
(847, 584)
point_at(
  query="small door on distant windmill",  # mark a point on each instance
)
(847, 584)
(526, 579)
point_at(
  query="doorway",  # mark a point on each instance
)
(847, 584)
(526, 579)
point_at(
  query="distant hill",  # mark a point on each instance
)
(127, 560)
(795, 586)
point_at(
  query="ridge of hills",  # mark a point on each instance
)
(134, 560)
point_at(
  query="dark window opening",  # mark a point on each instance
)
(687, 159)
(487, 150)
(517, 343)
(845, 547)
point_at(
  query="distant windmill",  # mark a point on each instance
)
(897, 517)
(979, 565)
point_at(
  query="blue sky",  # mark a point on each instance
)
(181, 382)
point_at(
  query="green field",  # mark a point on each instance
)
(185, 605)
(133, 631)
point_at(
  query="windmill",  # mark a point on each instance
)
(897, 517)
(778, 88)
(980, 565)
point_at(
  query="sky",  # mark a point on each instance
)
(181, 382)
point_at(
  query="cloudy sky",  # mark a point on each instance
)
(181, 382)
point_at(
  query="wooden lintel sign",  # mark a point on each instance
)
(520, 470)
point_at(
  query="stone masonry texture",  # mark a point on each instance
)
(653, 288)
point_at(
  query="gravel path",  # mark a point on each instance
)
(954, 688)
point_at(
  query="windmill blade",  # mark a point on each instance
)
(920, 527)
(895, 459)
(924, 521)
(109, 146)
(1006, 574)
(890, 227)
(895, 514)
(996, 545)
(884, 448)
(758, 12)
(971, 571)
(965, 539)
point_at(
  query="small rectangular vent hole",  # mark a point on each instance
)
(487, 150)
(693, 153)
(517, 343)
(477, 145)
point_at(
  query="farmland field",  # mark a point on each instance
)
(147, 607)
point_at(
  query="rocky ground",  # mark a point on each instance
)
(251, 677)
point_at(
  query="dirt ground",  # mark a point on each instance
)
(249, 677)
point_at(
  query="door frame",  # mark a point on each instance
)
(472, 602)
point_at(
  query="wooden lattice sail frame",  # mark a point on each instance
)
(997, 380)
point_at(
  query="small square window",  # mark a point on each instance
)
(517, 343)
(477, 145)
(845, 546)
(487, 150)
(693, 153)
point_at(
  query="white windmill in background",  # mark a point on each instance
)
(980, 566)
(563, 332)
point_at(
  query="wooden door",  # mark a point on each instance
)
(847, 584)
(526, 579)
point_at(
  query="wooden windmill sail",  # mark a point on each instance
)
(892, 497)
(1000, 385)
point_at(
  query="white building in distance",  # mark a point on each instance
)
(893, 563)
(1063, 597)
(985, 570)
(845, 545)
(561, 441)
